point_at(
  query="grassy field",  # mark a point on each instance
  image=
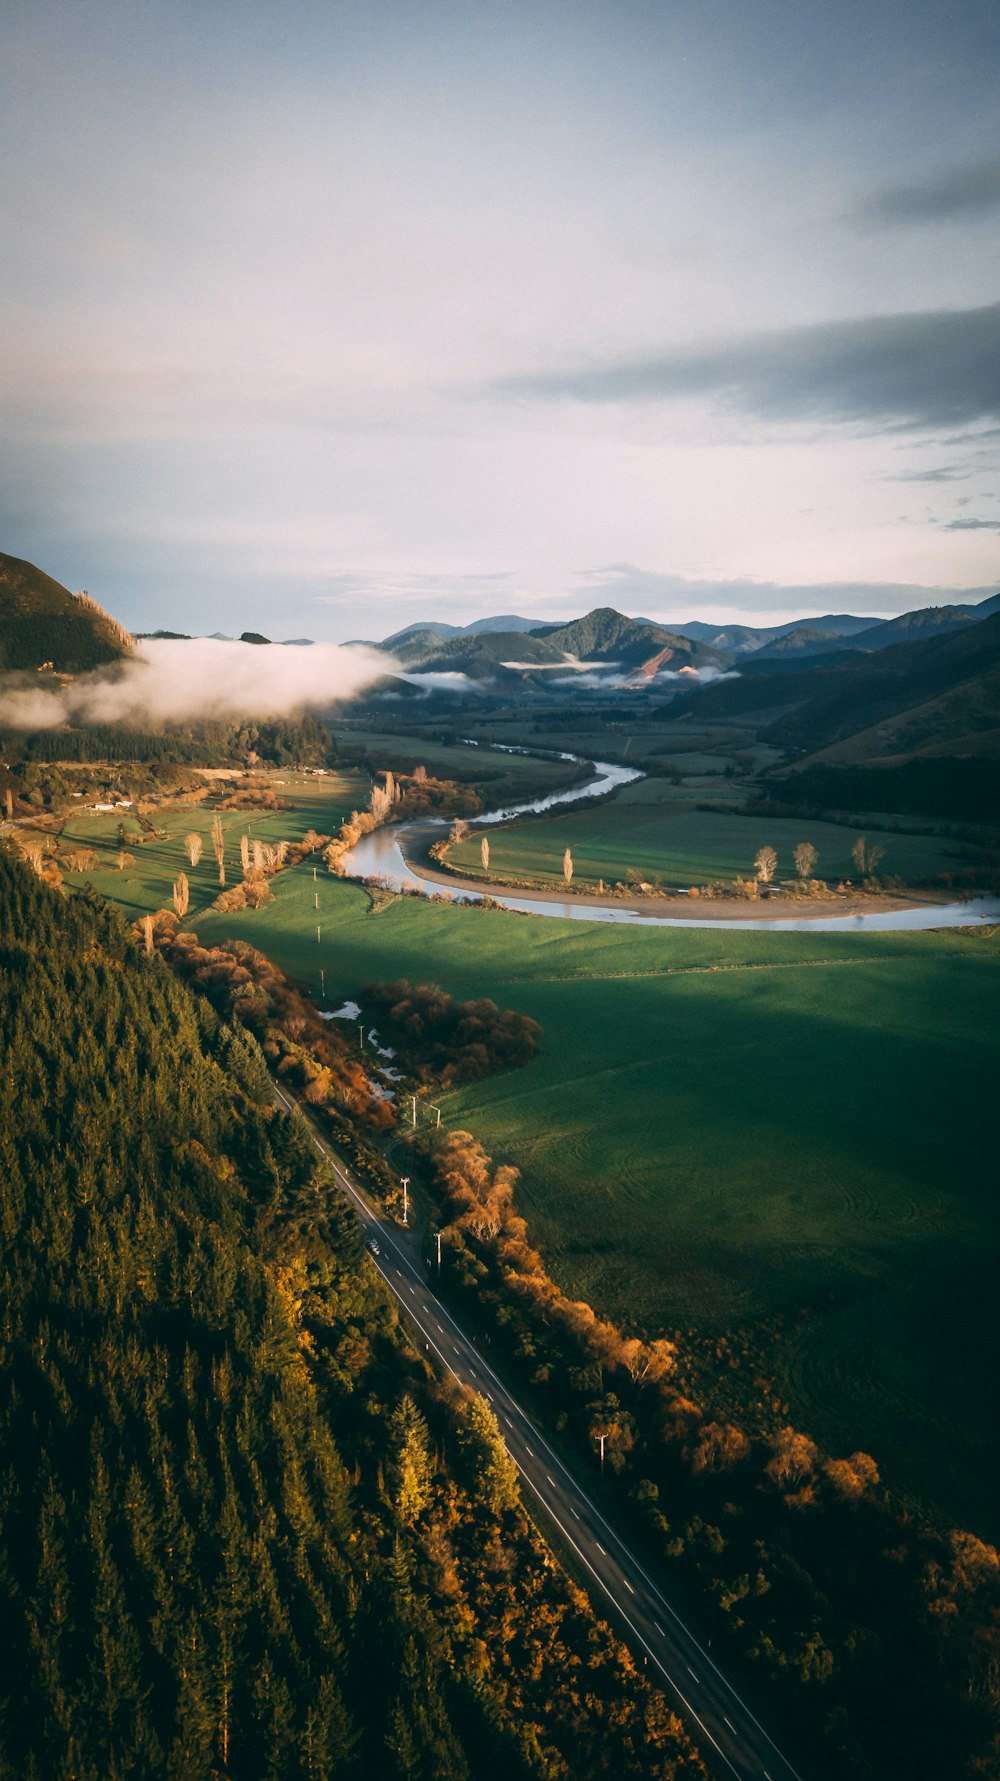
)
(504, 778)
(314, 803)
(653, 828)
(776, 1137)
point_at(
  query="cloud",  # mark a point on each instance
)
(931, 369)
(955, 195)
(676, 598)
(168, 682)
(447, 680)
(972, 525)
(945, 473)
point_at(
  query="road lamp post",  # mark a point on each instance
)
(406, 1198)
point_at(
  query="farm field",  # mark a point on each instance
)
(504, 778)
(652, 829)
(779, 1141)
(314, 803)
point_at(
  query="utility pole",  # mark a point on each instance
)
(316, 900)
(322, 983)
(314, 875)
(602, 1439)
(318, 933)
(436, 1110)
(406, 1198)
(413, 1099)
(439, 1251)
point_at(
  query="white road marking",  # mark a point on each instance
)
(628, 1586)
(551, 1480)
(659, 1629)
(574, 1513)
(730, 1724)
(507, 1420)
(529, 1449)
(691, 1673)
(600, 1548)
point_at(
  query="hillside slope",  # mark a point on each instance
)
(42, 623)
(230, 1543)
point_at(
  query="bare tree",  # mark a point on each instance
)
(568, 866)
(866, 858)
(124, 860)
(805, 859)
(245, 853)
(192, 842)
(32, 852)
(484, 853)
(420, 775)
(219, 844)
(765, 864)
(459, 830)
(182, 896)
(258, 855)
(146, 926)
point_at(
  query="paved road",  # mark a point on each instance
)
(731, 1740)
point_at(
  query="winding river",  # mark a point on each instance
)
(382, 856)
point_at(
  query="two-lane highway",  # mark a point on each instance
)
(732, 1741)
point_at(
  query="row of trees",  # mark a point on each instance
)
(866, 856)
(850, 1608)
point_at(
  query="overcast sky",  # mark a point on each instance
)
(323, 318)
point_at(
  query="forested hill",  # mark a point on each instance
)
(242, 1532)
(43, 624)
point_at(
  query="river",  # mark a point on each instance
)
(381, 856)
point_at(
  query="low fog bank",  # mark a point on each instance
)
(200, 679)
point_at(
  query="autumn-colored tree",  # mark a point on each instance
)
(32, 852)
(794, 1459)
(9, 802)
(852, 1477)
(805, 859)
(124, 860)
(410, 1469)
(182, 895)
(720, 1446)
(866, 858)
(219, 844)
(568, 866)
(765, 864)
(245, 854)
(192, 843)
(494, 1472)
(458, 831)
(484, 853)
(146, 925)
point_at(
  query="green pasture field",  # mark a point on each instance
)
(780, 1140)
(314, 803)
(503, 778)
(651, 827)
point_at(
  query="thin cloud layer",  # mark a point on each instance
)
(936, 369)
(201, 679)
(956, 195)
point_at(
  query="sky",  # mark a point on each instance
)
(326, 317)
